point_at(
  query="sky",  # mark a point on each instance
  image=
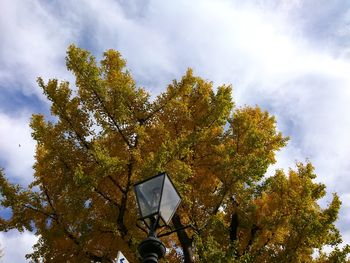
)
(289, 57)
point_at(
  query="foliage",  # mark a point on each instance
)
(108, 134)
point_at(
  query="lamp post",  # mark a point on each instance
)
(157, 200)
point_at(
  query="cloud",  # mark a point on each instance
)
(17, 148)
(33, 44)
(16, 245)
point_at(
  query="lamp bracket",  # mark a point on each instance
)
(173, 231)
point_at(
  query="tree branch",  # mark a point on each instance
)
(106, 197)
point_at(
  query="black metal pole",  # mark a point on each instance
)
(151, 249)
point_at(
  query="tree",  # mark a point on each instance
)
(107, 134)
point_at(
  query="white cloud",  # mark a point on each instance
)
(17, 147)
(16, 245)
(33, 44)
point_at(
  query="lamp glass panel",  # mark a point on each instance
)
(148, 195)
(170, 200)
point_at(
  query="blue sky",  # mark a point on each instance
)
(290, 57)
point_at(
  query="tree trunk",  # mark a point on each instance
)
(234, 227)
(185, 240)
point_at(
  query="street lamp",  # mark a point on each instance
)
(157, 200)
